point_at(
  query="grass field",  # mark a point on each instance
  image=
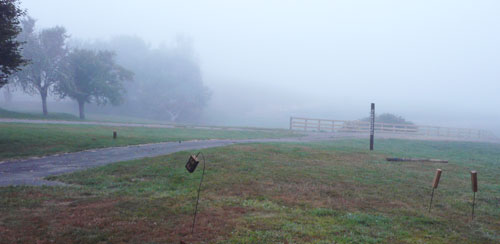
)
(19, 140)
(328, 192)
(25, 115)
(10, 114)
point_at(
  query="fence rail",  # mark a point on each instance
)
(346, 126)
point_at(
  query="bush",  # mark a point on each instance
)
(389, 118)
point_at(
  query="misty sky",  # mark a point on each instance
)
(434, 62)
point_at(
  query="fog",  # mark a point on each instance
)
(432, 62)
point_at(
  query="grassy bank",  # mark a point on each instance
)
(7, 114)
(330, 192)
(22, 140)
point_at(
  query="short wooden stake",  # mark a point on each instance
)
(437, 177)
(473, 177)
(435, 184)
(114, 135)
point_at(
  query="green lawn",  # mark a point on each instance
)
(9, 114)
(23, 140)
(328, 192)
(25, 115)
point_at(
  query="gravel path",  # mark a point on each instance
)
(32, 171)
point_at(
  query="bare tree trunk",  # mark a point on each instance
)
(44, 103)
(81, 109)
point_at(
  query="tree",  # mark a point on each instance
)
(47, 51)
(390, 118)
(10, 54)
(93, 76)
(168, 81)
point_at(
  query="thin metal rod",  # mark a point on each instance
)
(199, 188)
(473, 203)
(432, 196)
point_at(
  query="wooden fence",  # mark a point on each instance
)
(345, 126)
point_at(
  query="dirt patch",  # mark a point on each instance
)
(92, 214)
(55, 221)
(212, 225)
(26, 194)
(100, 220)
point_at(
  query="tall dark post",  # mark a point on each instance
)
(372, 126)
(473, 177)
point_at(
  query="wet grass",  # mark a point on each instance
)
(328, 192)
(25, 115)
(19, 140)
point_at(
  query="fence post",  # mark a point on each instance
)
(291, 123)
(333, 126)
(319, 125)
(372, 125)
(305, 125)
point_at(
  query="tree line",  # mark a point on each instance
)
(160, 83)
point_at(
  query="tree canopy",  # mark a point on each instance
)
(390, 118)
(47, 51)
(10, 54)
(93, 76)
(167, 85)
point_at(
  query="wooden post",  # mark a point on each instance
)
(305, 125)
(437, 177)
(291, 118)
(372, 125)
(435, 184)
(333, 126)
(473, 177)
(114, 135)
(319, 125)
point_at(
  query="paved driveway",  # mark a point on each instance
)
(32, 171)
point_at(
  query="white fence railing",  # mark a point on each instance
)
(339, 126)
